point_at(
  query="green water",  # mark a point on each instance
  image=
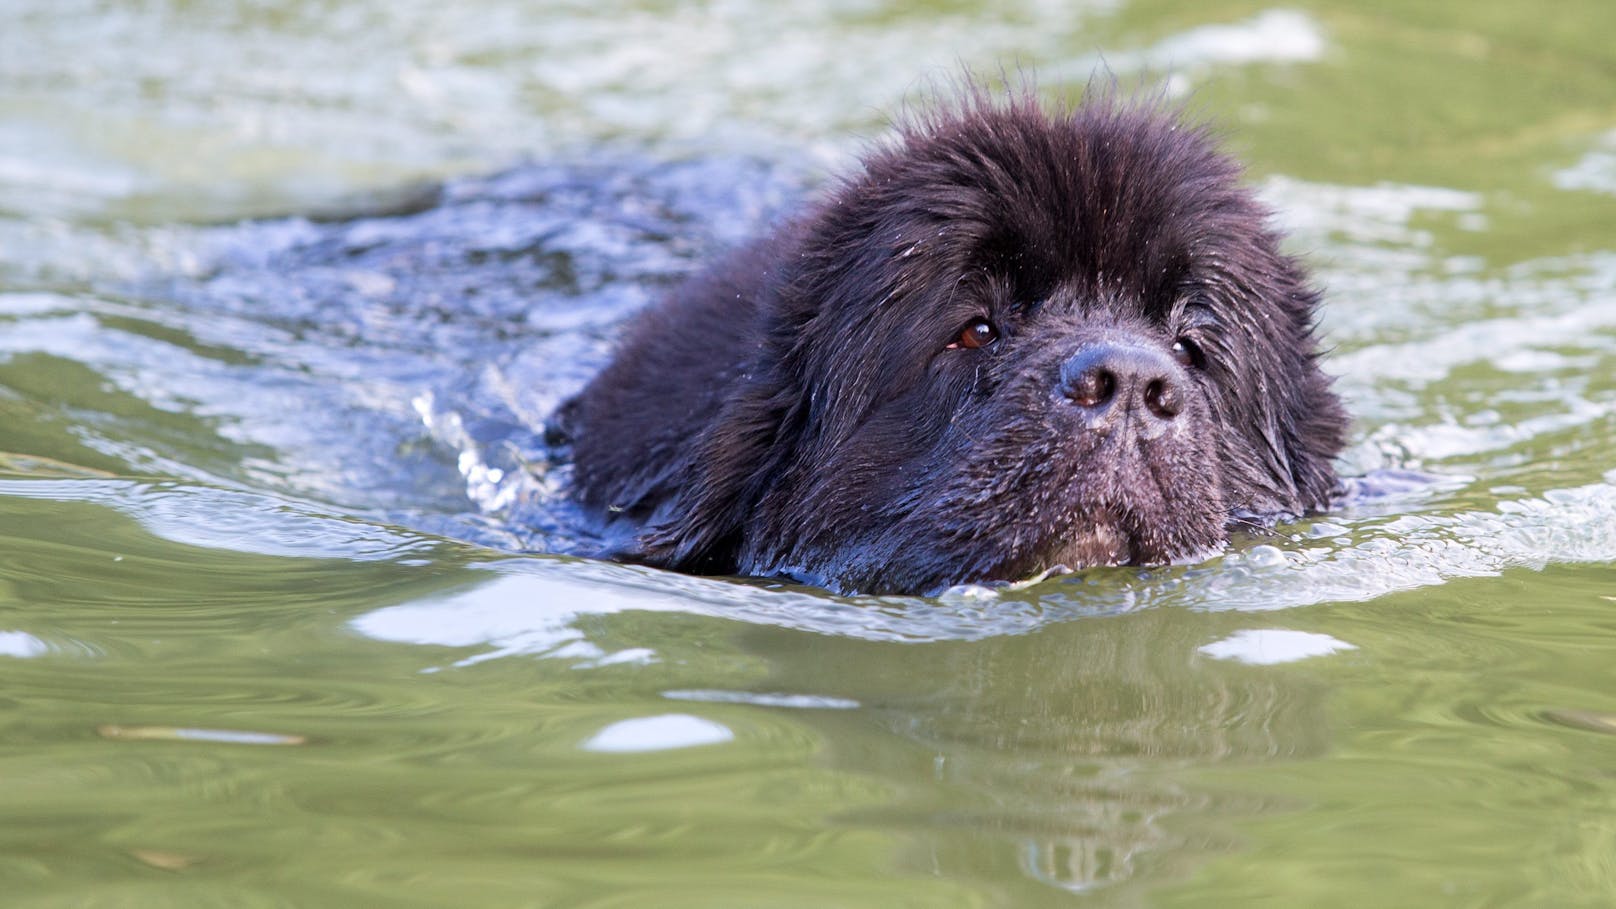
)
(266, 637)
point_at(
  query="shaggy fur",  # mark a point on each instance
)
(808, 407)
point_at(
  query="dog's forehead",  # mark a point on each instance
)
(1103, 196)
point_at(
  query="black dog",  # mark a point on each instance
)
(1017, 340)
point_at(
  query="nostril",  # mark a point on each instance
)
(1092, 388)
(1161, 396)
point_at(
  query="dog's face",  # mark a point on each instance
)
(1019, 341)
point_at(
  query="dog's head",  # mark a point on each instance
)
(1016, 340)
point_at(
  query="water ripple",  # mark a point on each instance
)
(533, 606)
(230, 519)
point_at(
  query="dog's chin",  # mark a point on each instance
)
(1109, 543)
(1095, 544)
(1161, 526)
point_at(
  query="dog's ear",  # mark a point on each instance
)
(1284, 423)
(673, 440)
(1314, 434)
(701, 528)
(743, 450)
(1308, 424)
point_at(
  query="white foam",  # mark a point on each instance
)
(1595, 171)
(1272, 36)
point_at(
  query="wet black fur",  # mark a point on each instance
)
(796, 410)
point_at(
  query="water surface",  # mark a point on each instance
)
(287, 290)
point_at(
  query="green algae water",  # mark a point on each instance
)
(287, 289)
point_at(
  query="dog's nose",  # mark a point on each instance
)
(1117, 377)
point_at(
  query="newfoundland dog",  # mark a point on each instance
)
(1017, 339)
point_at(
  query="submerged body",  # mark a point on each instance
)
(1017, 339)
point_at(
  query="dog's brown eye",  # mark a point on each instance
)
(1188, 354)
(976, 335)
